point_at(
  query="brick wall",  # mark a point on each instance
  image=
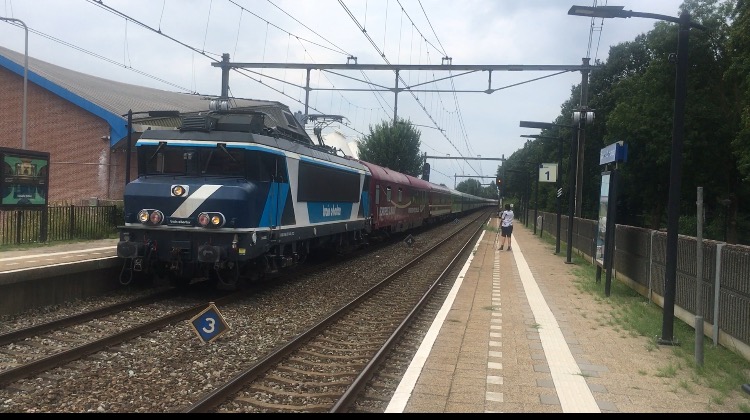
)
(82, 165)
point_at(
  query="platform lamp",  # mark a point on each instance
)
(558, 193)
(536, 197)
(678, 134)
(128, 147)
(571, 181)
(25, 75)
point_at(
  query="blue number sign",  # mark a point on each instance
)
(209, 324)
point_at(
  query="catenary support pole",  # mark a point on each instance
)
(699, 282)
(571, 194)
(675, 180)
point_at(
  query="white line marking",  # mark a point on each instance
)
(572, 391)
(406, 386)
(107, 248)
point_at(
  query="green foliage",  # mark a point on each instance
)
(633, 95)
(474, 187)
(62, 223)
(394, 146)
(738, 74)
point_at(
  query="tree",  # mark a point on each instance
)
(633, 96)
(471, 186)
(395, 146)
(738, 75)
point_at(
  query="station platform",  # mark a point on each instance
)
(517, 335)
(56, 254)
(57, 273)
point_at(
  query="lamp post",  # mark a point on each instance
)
(25, 75)
(129, 146)
(536, 196)
(571, 180)
(558, 182)
(678, 134)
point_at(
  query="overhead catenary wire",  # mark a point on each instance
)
(207, 54)
(442, 112)
(383, 56)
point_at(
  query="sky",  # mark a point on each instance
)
(170, 45)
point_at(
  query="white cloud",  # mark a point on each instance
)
(470, 32)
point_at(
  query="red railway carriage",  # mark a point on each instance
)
(398, 202)
(440, 202)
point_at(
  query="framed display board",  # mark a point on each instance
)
(601, 231)
(24, 180)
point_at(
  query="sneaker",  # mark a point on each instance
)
(501, 247)
(508, 248)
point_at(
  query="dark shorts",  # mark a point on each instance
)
(506, 230)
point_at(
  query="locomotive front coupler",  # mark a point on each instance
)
(211, 253)
(129, 249)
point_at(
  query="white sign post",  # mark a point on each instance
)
(547, 172)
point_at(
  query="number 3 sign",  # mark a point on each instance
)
(209, 324)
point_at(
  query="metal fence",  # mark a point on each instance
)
(640, 262)
(57, 223)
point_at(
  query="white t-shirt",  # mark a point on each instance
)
(507, 218)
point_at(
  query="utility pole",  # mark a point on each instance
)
(582, 136)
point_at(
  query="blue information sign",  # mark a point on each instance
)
(209, 324)
(615, 152)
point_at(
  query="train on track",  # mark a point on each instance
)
(236, 194)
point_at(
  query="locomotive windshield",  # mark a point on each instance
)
(174, 160)
(194, 161)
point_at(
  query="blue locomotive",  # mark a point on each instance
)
(233, 195)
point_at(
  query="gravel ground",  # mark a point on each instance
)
(167, 370)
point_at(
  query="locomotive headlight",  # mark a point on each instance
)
(179, 190)
(211, 220)
(143, 216)
(150, 217)
(156, 217)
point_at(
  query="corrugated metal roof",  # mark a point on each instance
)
(105, 98)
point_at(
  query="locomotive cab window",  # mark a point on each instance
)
(223, 161)
(266, 167)
(167, 160)
(400, 195)
(177, 160)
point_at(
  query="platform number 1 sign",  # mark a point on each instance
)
(209, 324)
(547, 172)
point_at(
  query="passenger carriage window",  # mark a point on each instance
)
(377, 194)
(388, 194)
(400, 195)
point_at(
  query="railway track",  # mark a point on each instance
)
(327, 367)
(63, 375)
(70, 338)
(73, 337)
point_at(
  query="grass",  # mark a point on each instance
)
(722, 370)
(631, 313)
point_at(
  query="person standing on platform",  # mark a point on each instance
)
(506, 226)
